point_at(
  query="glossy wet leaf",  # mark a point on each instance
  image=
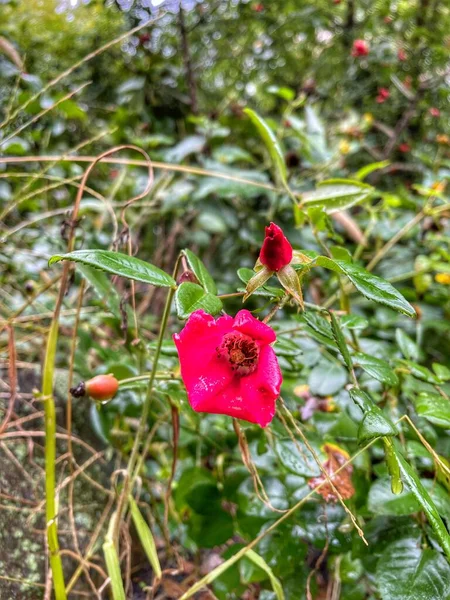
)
(200, 271)
(327, 378)
(340, 341)
(190, 297)
(375, 424)
(406, 571)
(296, 457)
(434, 407)
(270, 141)
(334, 195)
(377, 368)
(412, 480)
(407, 346)
(120, 264)
(371, 286)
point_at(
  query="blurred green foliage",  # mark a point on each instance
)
(178, 89)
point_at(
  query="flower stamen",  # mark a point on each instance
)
(241, 351)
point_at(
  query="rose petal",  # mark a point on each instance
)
(203, 374)
(246, 323)
(261, 389)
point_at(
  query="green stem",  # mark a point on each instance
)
(148, 398)
(159, 376)
(50, 458)
(132, 471)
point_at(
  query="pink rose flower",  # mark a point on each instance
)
(276, 251)
(229, 367)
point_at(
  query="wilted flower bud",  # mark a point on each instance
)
(276, 251)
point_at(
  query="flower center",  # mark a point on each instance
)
(241, 351)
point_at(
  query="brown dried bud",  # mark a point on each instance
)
(79, 391)
(187, 275)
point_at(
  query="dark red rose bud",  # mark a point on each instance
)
(276, 251)
(360, 48)
(102, 387)
(404, 147)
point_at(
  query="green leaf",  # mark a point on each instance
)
(442, 372)
(337, 194)
(340, 341)
(375, 424)
(354, 322)
(200, 272)
(261, 563)
(120, 264)
(408, 348)
(381, 500)
(198, 490)
(420, 372)
(372, 287)
(434, 408)
(368, 169)
(190, 297)
(412, 480)
(113, 563)
(270, 141)
(327, 378)
(361, 399)
(296, 457)
(146, 537)
(376, 368)
(211, 530)
(407, 572)
(103, 288)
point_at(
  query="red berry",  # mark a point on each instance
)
(435, 112)
(102, 387)
(404, 147)
(401, 55)
(258, 7)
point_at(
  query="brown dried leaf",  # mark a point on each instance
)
(342, 481)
